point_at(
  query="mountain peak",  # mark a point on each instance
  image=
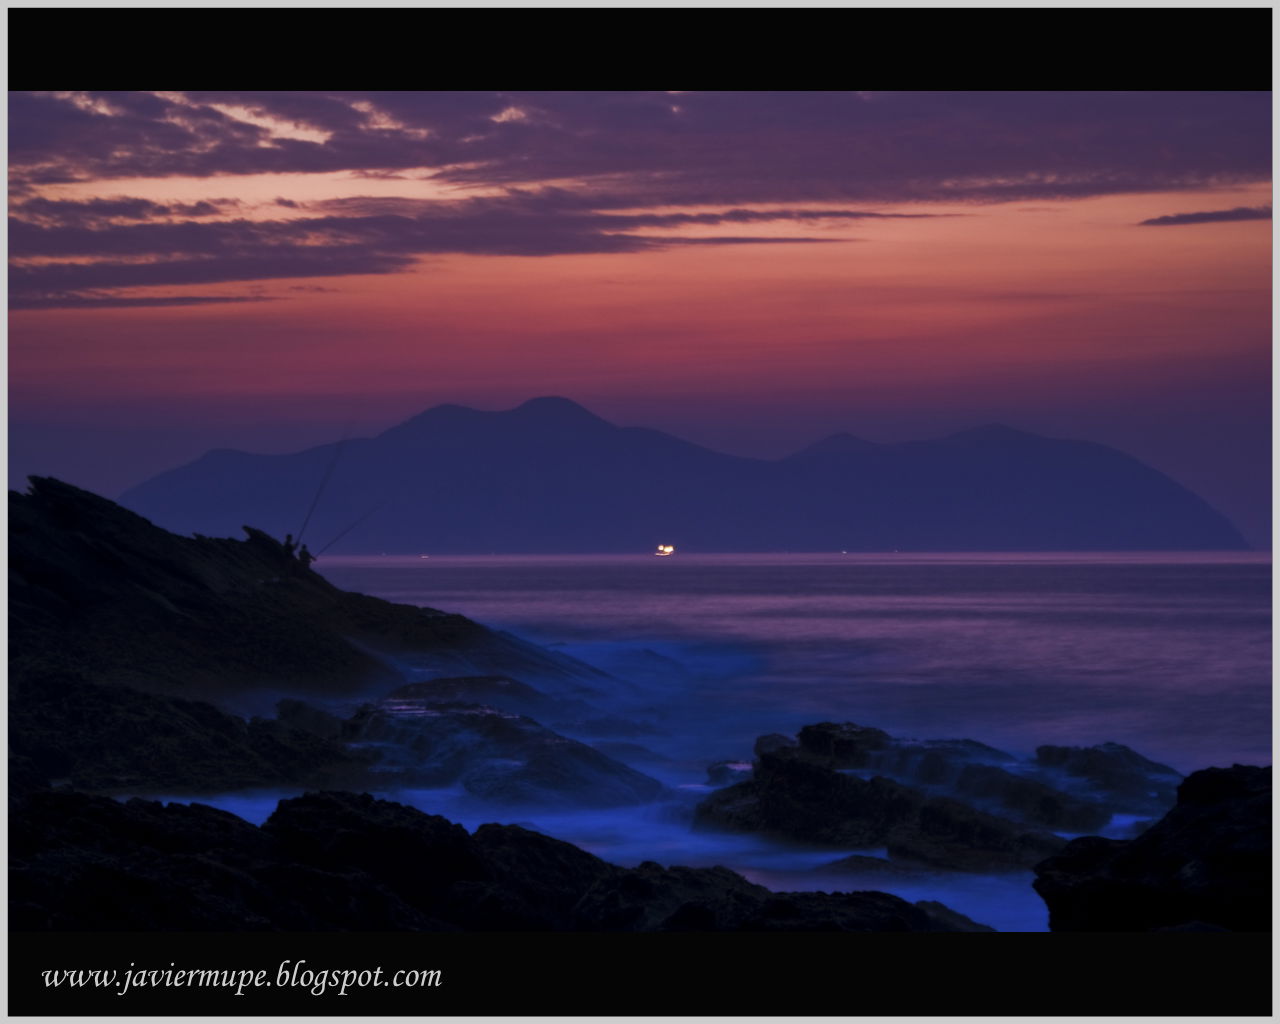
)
(836, 444)
(989, 432)
(549, 406)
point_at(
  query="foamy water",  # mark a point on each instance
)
(1169, 656)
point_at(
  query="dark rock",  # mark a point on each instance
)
(342, 861)
(496, 755)
(94, 584)
(949, 835)
(1029, 800)
(726, 773)
(936, 763)
(500, 692)
(842, 745)
(1115, 773)
(793, 798)
(1205, 865)
(112, 737)
(774, 741)
(945, 915)
(607, 726)
(861, 866)
(298, 714)
(630, 753)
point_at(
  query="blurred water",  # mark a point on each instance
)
(1168, 654)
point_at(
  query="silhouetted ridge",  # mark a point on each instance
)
(836, 444)
(550, 476)
(993, 432)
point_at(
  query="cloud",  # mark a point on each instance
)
(569, 172)
(1211, 216)
(92, 212)
(697, 147)
(52, 261)
(88, 300)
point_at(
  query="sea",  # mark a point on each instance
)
(1167, 654)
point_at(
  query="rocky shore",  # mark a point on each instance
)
(146, 662)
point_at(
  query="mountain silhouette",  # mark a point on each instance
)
(549, 476)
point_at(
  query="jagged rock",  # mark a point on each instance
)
(861, 866)
(112, 737)
(1029, 800)
(342, 861)
(1066, 789)
(945, 915)
(500, 692)
(495, 754)
(951, 836)
(934, 762)
(791, 797)
(611, 726)
(843, 745)
(630, 753)
(1205, 865)
(726, 773)
(1116, 774)
(297, 714)
(94, 584)
(774, 741)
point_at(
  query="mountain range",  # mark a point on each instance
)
(549, 476)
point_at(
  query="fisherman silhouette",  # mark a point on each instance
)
(289, 544)
(305, 557)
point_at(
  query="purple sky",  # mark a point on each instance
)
(749, 270)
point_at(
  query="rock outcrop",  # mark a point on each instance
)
(496, 755)
(1113, 773)
(1065, 789)
(792, 797)
(67, 730)
(1205, 865)
(92, 584)
(342, 861)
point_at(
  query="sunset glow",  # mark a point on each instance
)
(750, 271)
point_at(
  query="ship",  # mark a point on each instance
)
(665, 549)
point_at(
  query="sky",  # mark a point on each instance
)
(750, 271)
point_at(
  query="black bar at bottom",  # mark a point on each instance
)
(1174, 974)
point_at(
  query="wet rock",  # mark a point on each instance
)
(495, 755)
(793, 798)
(951, 836)
(1205, 865)
(1029, 800)
(344, 861)
(936, 763)
(1115, 774)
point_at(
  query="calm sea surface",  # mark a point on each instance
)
(1168, 654)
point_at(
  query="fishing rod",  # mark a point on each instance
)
(324, 480)
(351, 527)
